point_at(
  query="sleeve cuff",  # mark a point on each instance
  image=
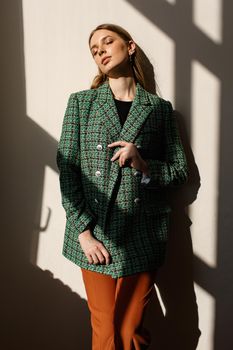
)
(145, 179)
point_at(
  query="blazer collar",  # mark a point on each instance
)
(141, 107)
(105, 94)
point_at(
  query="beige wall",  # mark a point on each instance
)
(45, 58)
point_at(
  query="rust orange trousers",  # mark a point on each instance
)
(117, 307)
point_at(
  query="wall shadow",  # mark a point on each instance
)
(178, 328)
(38, 311)
(193, 44)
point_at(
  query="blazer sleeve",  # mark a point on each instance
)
(173, 170)
(68, 162)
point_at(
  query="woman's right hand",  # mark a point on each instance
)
(94, 250)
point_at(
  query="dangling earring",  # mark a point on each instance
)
(130, 58)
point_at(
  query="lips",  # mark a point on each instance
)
(104, 60)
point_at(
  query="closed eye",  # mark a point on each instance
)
(106, 42)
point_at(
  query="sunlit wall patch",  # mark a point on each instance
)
(207, 16)
(205, 110)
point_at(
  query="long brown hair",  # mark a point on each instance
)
(138, 59)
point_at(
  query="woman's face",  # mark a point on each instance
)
(110, 51)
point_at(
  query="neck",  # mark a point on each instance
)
(123, 88)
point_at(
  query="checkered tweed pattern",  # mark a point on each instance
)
(131, 219)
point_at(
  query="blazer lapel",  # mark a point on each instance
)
(140, 109)
(107, 111)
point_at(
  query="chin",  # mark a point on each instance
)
(113, 71)
(107, 70)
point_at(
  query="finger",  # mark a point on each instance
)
(106, 255)
(123, 160)
(89, 258)
(116, 155)
(111, 144)
(95, 259)
(120, 161)
(104, 252)
(100, 256)
(119, 153)
(117, 143)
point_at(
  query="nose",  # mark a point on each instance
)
(101, 51)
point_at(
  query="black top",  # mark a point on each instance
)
(123, 108)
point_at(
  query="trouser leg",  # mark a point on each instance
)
(100, 290)
(132, 296)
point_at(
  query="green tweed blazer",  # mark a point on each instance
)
(129, 217)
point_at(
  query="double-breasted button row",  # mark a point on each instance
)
(136, 173)
(98, 173)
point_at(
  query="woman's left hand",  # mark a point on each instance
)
(128, 154)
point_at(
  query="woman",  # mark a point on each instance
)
(119, 150)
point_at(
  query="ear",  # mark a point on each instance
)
(131, 47)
